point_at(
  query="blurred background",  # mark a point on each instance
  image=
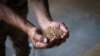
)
(82, 17)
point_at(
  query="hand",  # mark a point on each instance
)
(62, 27)
(40, 41)
(37, 39)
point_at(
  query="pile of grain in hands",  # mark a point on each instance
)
(52, 33)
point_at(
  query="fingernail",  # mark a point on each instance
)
(62, 36)
(45, 40)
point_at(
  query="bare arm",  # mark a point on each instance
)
(10, 17)
(41, 9)
(13, 19)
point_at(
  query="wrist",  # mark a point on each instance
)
(31, 31)
(44, 24)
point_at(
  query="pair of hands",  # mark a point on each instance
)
(41, 41)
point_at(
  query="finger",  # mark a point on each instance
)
(41, 38)
(58, 41)
(38, 38)
(52, 43)
(61, 40)
(51, 40)
(64, 29)
(40, 45)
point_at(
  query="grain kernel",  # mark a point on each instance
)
(52, 33)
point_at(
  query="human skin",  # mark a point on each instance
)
(40, 7)
(7, 15)
(41, 10)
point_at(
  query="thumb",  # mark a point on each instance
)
(41, 38)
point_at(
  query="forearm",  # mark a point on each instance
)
(11, 18)
(41, 9)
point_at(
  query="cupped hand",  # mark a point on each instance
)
(62, 27)
(40, 41)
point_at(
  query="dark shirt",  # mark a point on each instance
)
(18, 6)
